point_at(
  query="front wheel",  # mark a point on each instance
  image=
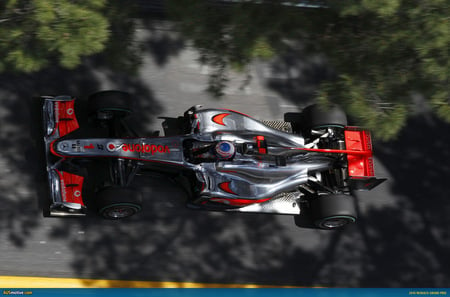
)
(118, 202)
(106, 105)
(333, 211)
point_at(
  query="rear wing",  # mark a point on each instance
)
(358, 143)
(358, 149)
(65, 188)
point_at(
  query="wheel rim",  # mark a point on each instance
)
(336, 222)
(119, 211)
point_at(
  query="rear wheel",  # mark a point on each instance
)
(333, 211)
(118, 202)
(316, 116)
(106, 105)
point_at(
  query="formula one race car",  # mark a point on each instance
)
(225, 160)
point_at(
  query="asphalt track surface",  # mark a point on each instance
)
(402, 238)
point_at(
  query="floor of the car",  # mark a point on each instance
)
(284, 203)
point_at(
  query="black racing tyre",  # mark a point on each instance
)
(107, 104)
(118, 202)
(333, 211)
(315, 116)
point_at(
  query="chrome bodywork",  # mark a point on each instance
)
(264, 174)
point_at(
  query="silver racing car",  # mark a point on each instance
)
(307, 165)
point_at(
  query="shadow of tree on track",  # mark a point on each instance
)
(410, 242)
(162, 41)
(405, 244)
(23, 185)
(167, 242)
(21, 135)
(296, 75)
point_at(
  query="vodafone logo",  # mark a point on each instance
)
(138, 148)
(69, 111)
(145, 148)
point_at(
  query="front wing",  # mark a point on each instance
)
(65, 188)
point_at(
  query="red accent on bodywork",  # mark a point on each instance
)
(71, 187)
(358, 141)
(238, 112)
(261, 144)
(218, 119)
(52, 149)
(227, 171)
(359, 152)
(197, 127)
(225, 186)
(334, 151)
(65, 118)
(237, 202)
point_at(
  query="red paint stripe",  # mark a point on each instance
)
(334, 151)
(238, 201)
(227, 171)
(237, 112)
(52, 149)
